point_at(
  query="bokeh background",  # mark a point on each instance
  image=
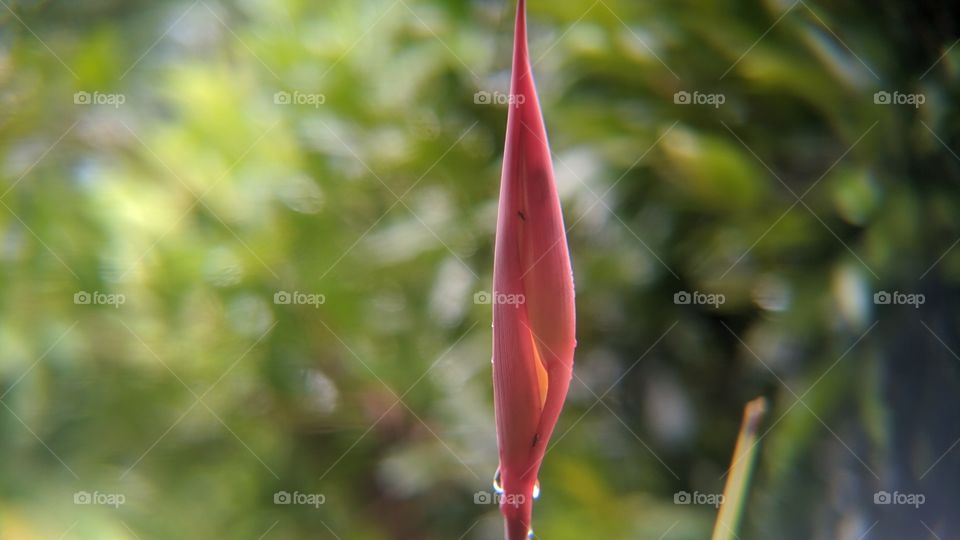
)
(241, 245)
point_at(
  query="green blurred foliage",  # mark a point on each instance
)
(202, 196)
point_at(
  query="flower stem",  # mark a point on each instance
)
(516, 529)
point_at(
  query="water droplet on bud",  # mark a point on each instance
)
(497, 484)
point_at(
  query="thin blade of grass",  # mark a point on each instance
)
(741, 469)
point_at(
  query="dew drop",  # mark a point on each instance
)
(497, 484)
(530, 535)
(536, 490)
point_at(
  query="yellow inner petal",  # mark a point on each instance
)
(541, 370)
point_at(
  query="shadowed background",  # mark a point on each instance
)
(245, 249)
